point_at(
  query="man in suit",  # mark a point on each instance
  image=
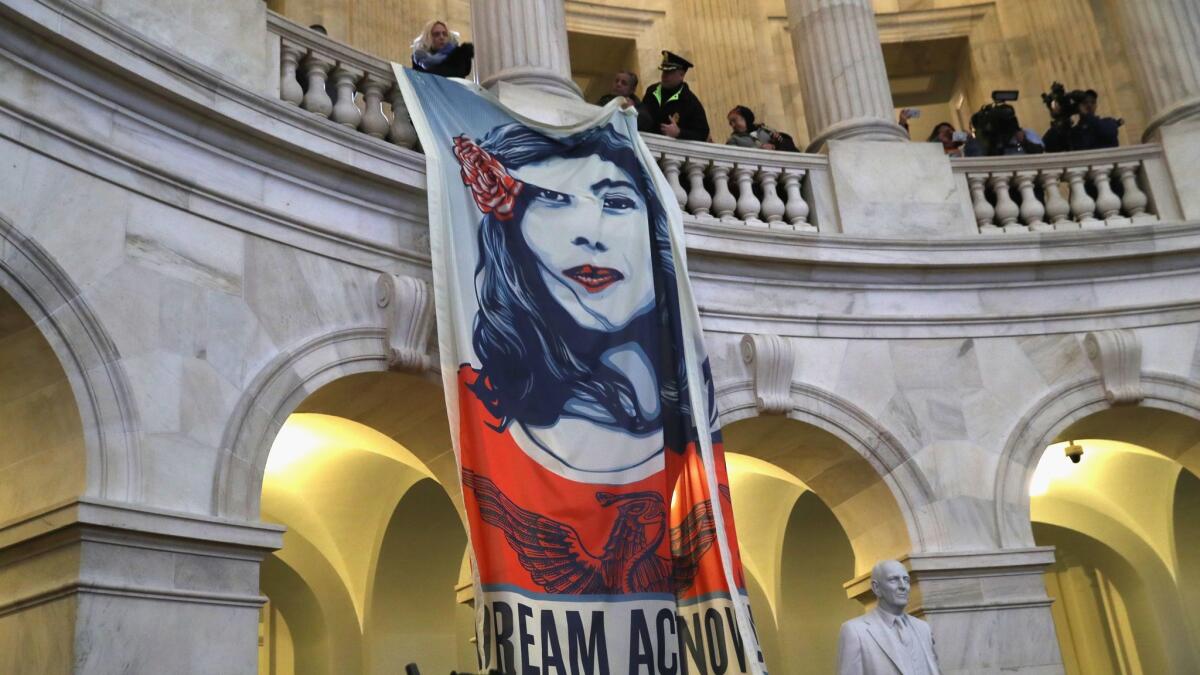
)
(886, 641)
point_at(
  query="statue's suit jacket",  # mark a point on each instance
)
(864, 648)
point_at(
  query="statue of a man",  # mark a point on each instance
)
(886, 641)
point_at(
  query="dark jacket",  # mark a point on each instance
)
(1092, 133)
(659, 107)
(452, 62)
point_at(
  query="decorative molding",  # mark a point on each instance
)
(272, 395)
(88, 357)
(1117, 355)
(932, 24)
(602, 19)
(408, 303)
(773, 361)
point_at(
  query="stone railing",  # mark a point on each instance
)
(330, 79)
(720, 184)
(1067, 191)
(755, 188)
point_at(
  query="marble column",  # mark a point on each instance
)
(94, 587)
(1162, 38)
(842, 75)
(523, 42)
(964, 596)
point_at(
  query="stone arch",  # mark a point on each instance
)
(891, 492)
(411, 606)
(89, 359)
(1171, 405)
(274, 393)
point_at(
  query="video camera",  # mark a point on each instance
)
(1062, 104)
(996, 123)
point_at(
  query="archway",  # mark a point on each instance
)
(796, 558)
(42, 453)
(411, 613)
(863, 503)
(1119, 519)
(365, 581)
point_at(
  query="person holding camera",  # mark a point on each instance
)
(998, 132)
(747, 134)
(1074, 124)
(952, 141)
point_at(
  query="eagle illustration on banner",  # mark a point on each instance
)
(581, 405)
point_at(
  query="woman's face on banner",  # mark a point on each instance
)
(589, 228)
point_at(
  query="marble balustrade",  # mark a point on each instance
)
(754, 188)
(719, 184)
(1067, 191)
(341, 83)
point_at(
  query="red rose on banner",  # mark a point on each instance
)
(495, 191)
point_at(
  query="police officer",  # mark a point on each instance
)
(669, 107)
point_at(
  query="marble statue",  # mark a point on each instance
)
(886, 641)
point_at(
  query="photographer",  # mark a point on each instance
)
(1092, 132)
(952, 141)
(1074, 124)
(998, 132)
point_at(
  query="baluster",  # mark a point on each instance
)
(772, 205)
(1134, 201)
(1006, 208)
(747, 204)
(345, 110)
(670, 169)
(316, 70)
(1082, 205)
(698, 201)
(374, 122)
(796, 211)
(1031, 209)
(723, 202)
(290, 54)
(1057, 208)
(401, 132)
(984, 213)
(1108, 204)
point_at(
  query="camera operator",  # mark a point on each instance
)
(998, 132)
(1074, 124)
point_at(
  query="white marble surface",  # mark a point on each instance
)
(895, 189)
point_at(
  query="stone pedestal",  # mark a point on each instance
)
(988, 609)
(98, 588)
(523, 42)
(842, 74)
(896, 190)
(1162, 38)
(229, 36)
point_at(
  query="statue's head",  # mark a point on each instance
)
(889, 582)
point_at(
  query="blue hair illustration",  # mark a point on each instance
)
(535, 357)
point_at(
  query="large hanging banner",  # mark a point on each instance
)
(575, 376)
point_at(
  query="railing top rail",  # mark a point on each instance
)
(323, 45)
(1128, 153)
(734, 155)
